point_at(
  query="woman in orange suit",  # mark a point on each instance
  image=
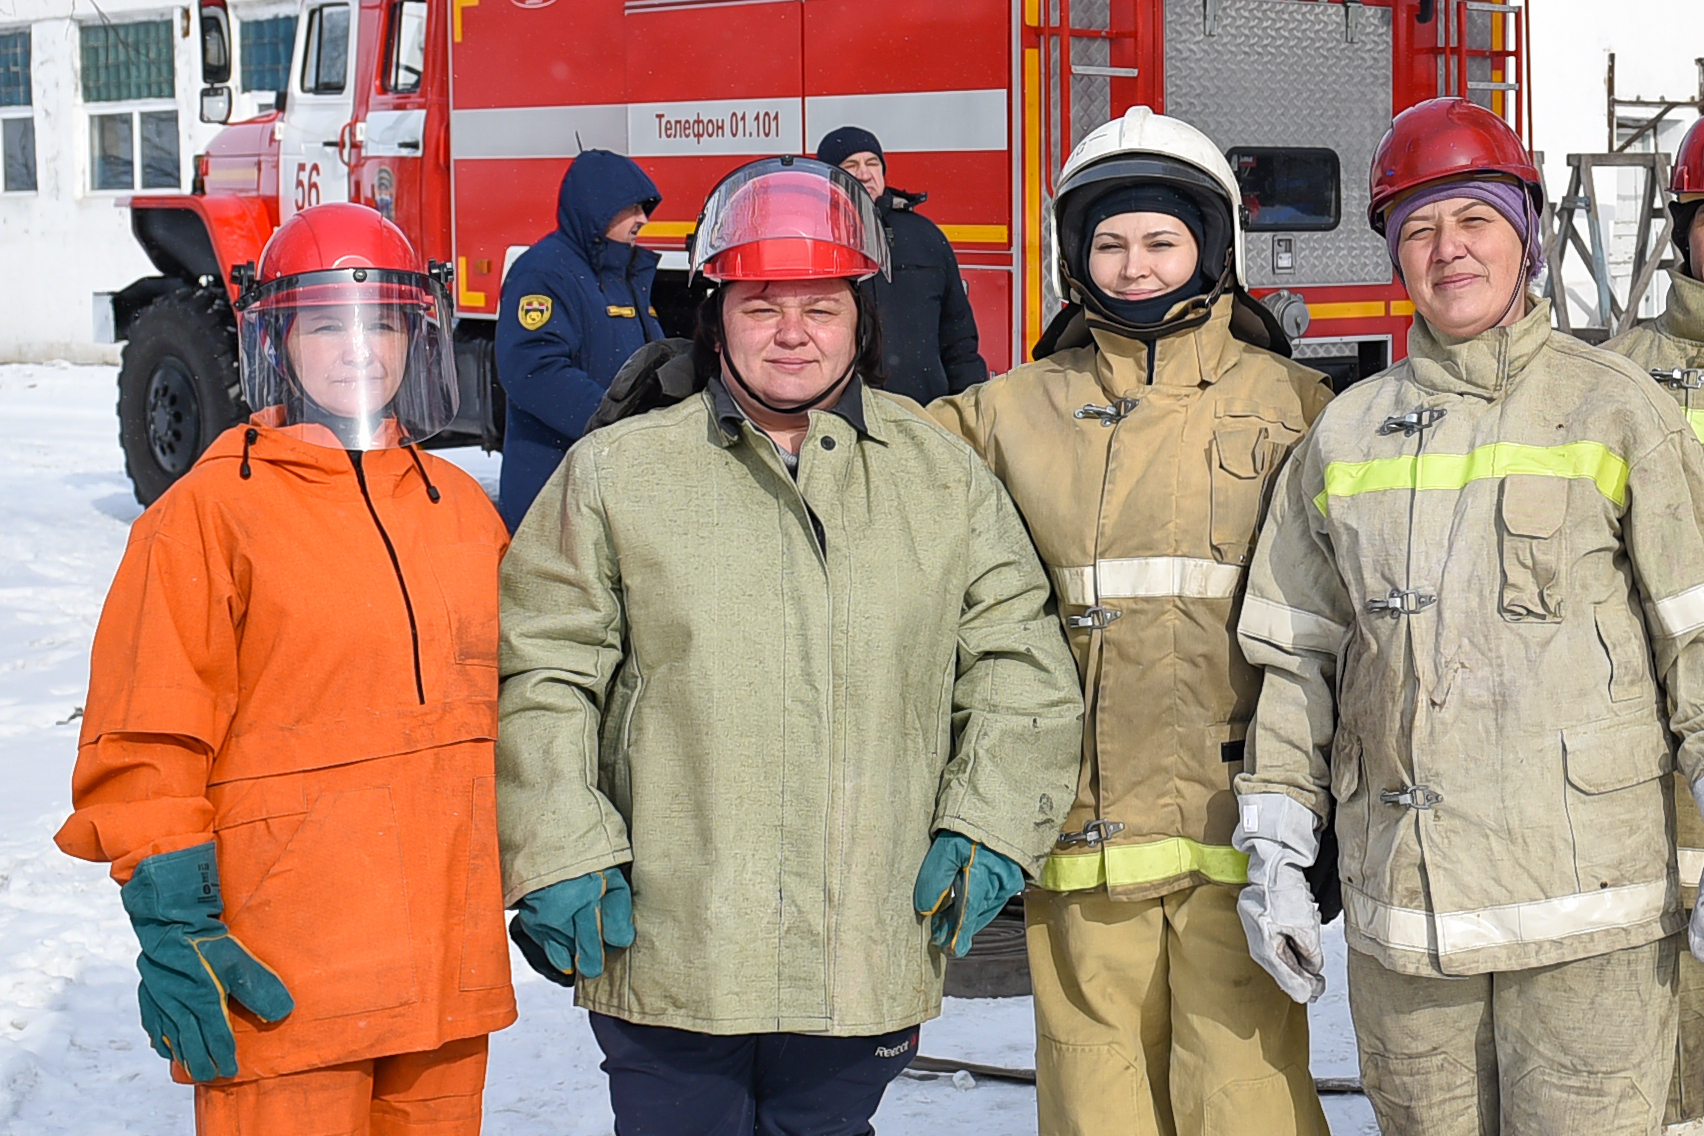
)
(287, 752)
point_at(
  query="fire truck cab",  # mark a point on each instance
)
(457, 118)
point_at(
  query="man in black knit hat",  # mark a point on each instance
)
(929, 344)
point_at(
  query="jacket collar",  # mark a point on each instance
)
(1484, 365)
(312, 455)
(1182, 359)
(1683, 318)
(730, 420)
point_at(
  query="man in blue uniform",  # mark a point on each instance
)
(573, 308)
(929, 345)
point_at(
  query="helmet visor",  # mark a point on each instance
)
(363, 354)
(789, 219)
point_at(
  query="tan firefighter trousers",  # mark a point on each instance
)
(1686, 1093)
(1579, 1047)
(1152, 1020)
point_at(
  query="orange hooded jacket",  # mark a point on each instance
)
(298, 660)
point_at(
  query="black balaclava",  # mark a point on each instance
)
(1148, 199)
(1684, 213)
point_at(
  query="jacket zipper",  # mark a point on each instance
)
(396, 566)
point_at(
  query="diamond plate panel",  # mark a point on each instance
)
(1283, 73)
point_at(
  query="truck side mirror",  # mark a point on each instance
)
(216, 104)
(215, 46)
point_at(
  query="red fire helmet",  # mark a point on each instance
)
(1688, 173)
(344, 336)
(334, 237)
(1446, 139)
(789, 219)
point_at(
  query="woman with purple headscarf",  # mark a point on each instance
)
(1479, 601)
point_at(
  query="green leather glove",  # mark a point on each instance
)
(964, 885)
(191, 963)
(571, 920)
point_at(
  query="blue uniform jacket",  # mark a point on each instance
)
(573, 308)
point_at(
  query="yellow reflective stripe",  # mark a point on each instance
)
(1590, 460)
(1696, 417)
(1123, 865)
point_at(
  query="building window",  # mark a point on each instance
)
(131, 146)
(17, 119)
(266, 47)
(127, 62)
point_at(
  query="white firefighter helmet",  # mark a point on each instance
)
(1145, 147)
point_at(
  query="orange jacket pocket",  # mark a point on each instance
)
(331, 913)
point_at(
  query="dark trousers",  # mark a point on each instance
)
(671, 1082)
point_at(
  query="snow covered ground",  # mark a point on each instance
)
(73, 1058)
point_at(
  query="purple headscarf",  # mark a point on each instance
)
(1507, 198)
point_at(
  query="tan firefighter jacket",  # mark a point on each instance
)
(1143, 479)
(1673, 344)
(1483, 573)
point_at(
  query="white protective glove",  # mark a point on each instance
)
(1695, 930)
(1277, 907)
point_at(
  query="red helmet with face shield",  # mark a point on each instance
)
(344, 328)
(1452, 139)
(789, 219)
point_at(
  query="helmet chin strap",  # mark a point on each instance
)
(812, 403)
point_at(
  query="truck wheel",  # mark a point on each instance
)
(178, 387)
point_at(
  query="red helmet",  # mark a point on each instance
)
(789, 219)
(344, 336)
(334, 237)
(1688, 173)
(1446, 139)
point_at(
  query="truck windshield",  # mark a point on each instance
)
(1288, 189)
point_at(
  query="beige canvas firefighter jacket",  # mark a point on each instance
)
(769, 724)
(1671, 347)
(1143, 480)
(1482, 575)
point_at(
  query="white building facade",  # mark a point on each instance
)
(97, 105)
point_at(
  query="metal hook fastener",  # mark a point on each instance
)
(1096, 618)
(1414, 797)
(1109, 415)
(1400, 603)
(1094, 834)
(1682, 378)
(1412, 422)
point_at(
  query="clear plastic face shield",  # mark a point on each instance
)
(352, 358)
(789, 219)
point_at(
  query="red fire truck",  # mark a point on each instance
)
(456, 118)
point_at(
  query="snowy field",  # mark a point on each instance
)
(73, 1058)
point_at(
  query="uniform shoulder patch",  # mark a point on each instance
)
(533, 311)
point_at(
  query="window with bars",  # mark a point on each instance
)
(137, 146)
(128, 62)
(266, 47)
(17, 116)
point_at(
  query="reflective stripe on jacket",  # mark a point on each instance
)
(1473, 565)
(1673, 344)
(768, 692)
(1143, 481)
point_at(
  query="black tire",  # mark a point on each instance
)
(178, 388)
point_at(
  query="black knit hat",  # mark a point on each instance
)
(838, 145)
